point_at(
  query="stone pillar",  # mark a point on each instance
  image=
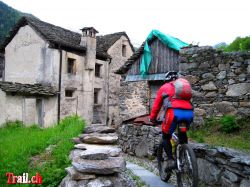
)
(88, 40)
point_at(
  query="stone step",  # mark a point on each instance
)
(101, 167)
(98, 138)
(112, 150)
(98, 129)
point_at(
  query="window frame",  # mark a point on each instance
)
(71, 66)
(99, 72)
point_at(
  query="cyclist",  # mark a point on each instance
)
(175, 97)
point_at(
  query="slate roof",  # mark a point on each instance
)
(106, 41)
(27, 89)
(66, 39)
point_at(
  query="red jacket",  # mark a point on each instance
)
(169, 89)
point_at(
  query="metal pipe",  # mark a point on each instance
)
(59, 87)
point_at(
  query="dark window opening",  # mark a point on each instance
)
(71, 69)
(124, 50)
(96, 95)
(98, 68)
(69, 93)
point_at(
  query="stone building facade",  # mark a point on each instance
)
(75, 65)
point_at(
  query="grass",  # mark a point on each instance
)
(19, 144)
(213, 132)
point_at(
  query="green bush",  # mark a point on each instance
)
(228, 124)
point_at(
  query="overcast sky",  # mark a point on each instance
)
(206, 22)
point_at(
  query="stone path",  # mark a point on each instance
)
(146, 176)
(96, 160)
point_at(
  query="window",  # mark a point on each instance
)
(98, 68)
(96, 95)
(71, 69)
(124, 50)
(69, 93)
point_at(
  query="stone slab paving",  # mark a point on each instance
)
(146, 176)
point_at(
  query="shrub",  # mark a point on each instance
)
(228, 124)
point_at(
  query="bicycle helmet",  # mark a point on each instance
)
(171, 75)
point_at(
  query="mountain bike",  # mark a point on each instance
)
(186, 168)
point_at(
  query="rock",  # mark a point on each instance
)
(75, 175)
(238, 89)
(231, 176)
(75, 153)
(204, 65)
(112, 150)
(197, 94)
(241, 160)
(245, 104)
(223, 67)
(199, 112)
(98, 129)
(68, 182)
(96, 138)
(222, 75)
(80, 146)
(225, 107)
(186, 66)
(100, 183)
(142, 149)
(103, 167)
(208, 172)
(192, 79)
(244, 111)
(209, 76)
(209, 87)
(245, 183)
(242, 77)
(248, 69)
(231, 81)
(227, 183)
(94, 154)
(76, 140)
(211, 94)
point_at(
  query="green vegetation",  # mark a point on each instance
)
(227, 131)
(8, 18)
(239, 44)
(23, 149)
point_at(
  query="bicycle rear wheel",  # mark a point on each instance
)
(162, 158)
(188, 176)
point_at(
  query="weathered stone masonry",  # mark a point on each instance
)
(217, 166)
(220, 81)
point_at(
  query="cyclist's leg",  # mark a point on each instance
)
(167, 144)
(167, 126)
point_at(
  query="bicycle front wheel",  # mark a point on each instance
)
(162, 159)
(188, 175)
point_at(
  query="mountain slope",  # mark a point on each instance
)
(8, 18)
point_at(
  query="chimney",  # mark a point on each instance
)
(88, 40)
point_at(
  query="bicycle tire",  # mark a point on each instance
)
(164, 175)
(185, 148)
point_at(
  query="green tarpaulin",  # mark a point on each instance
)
(171, 42)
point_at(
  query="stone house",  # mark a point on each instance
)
(74, 67)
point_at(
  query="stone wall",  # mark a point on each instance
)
(217, 166)
(220, 81)
(134, 100)
(115, 51)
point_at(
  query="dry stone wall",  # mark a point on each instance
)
(217, 166)
(134, 100)
(220, 81)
